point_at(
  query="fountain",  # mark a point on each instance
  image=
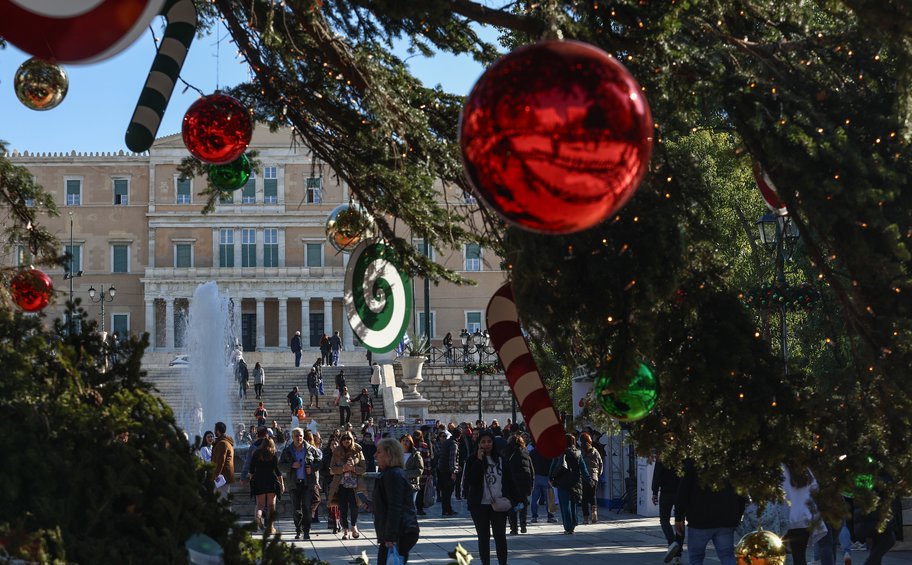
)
(210, 378)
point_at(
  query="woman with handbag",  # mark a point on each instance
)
(266, 481)
(348, 467)
(490, 495)
(395, 520)
(413, 464)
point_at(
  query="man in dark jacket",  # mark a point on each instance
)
(711, 515)
(567, 474)
(465, 449)
(664, 489)
(243, 378)
(447, 470)
(523, 476)
(369, 449)
(299, 461)
(296, 348)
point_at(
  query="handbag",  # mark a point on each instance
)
(552, 504)
(498, 503)
(430, 492)
(393, 557)
(350, 480)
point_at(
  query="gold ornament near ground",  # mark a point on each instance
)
(761, 547)
(347, 226)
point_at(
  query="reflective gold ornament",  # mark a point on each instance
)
(761, 547)
(40, 85)
(347, 225)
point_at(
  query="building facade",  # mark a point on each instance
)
(129, 221)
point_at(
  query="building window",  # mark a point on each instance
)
(468, 198)
(120, 326)
(120, 258)
(121, 190)
(184, 189)
(313, 254)
(472, 257)
(23, 258)
(421, 324)
(314, 186)
(270, 185)
(248, 192)
(248, 248)
(419, 244)
(73, 192)
(473, 321)
(183, 255)
(271, 247)
(226, 248)
(74, 258)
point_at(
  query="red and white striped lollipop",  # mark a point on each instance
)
(522, 374)
(768, 191)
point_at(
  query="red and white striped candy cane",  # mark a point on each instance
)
(522, 374)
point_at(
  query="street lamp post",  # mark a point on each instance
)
(464, 338)
(774, 231)
(102, 298)
(71, 274)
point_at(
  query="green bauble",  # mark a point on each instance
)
(232, 176)
(632, 404)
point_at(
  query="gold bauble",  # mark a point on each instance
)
(761, 547)
(40, 85)
(347, 225)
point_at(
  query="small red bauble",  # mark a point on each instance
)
(768, 191)
(556, 136)
(31, 290)
(217, 129)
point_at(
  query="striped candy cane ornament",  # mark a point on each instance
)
(166, 67)
(522, 374)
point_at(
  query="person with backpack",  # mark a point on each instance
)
(567, 474)
(312, 384)
(295, 402)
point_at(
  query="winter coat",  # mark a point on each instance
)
(223, 458)
(448, 457)
(664, 479)
(474, 482)
(414, 469)
(375, 375)
(394, 510)
(259, 376)
(704, 508)
(339, 457)
(311, 456)
(296, 344)
(569, 471)
(594, 464)
(522, 473)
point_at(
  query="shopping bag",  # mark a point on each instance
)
(430, 492)
(552, 505)
(393, 557)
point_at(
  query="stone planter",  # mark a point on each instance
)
(411, 374)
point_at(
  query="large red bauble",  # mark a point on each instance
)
(31, 290)
(556, 136)
(75, 31)
(768, 191)
(217, 129)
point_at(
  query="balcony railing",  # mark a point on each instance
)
(221, 273)
(458, 355)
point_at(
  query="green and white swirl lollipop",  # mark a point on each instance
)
(378, 296)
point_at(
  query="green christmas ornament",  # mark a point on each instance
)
(632, 404)
(232, 176)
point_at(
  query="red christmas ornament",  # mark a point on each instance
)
(768, 191)
(556, 136)
(75, 31)
(31, 290)
(217, 129)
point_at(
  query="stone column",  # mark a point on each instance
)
(348, 343)
(150, 322)
(328, 315)
(260, 324)
(283, 323)
(305, 321)
(169, 323)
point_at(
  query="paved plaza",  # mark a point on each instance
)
(618, 539)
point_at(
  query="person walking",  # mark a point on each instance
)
(343, 401)
(413, 464)
(466, 449)
(664, 489)
(333, 518)
(335, 347)
(300, 461)
(594, 464)
(260, 414)
(205, 452)
(425, 451)
(295, 402)
(347, 468)
(259, 379)
(312, 385)
(568, 473)
(266, 482)
(324, 350)
(297, 347)
(222, 460)
(490, 494)
(340, 381)
(447, 471)
(523, 479)
(448, 347)
(799, 486)
(366, 403)
(541, 488)
(395, 518)
(710, 515)
(375, 378)
(243, 378)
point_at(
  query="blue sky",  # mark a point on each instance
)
(101, 97)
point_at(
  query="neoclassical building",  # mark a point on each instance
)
(129, 221)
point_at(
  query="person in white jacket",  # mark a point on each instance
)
(375, 378)
(805, 525)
